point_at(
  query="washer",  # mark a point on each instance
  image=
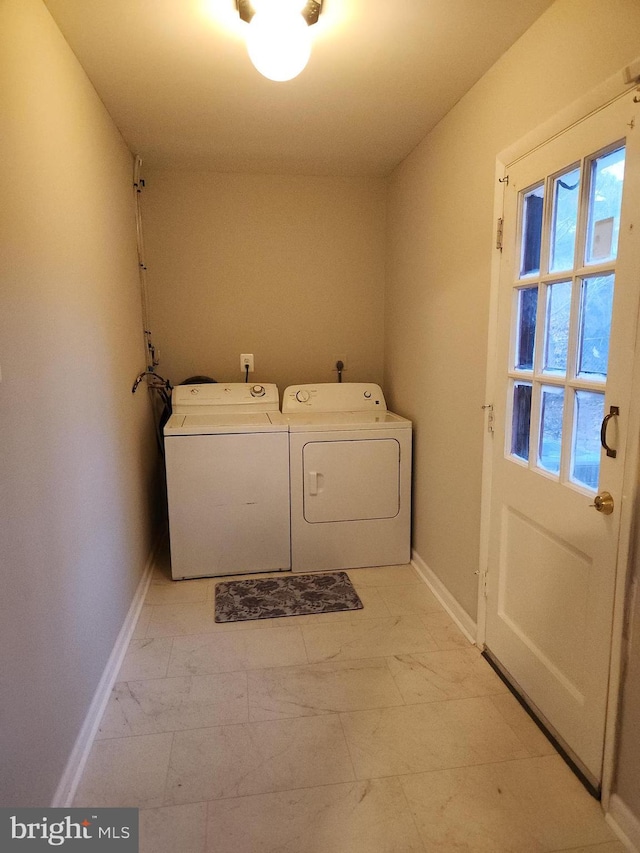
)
(227, 481)
(350, 462)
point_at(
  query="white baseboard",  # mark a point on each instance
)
(624, 823)
(66, 791)
(462, 619)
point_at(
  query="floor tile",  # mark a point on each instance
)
(205, 654)
(321, 688)
(435, 735)
(179, 592)
(366, 639)
(362, 817)
(174, 829)
(140, 629)
(172, 704)
(146, 658)
(444, 631)
(511, 807)
(383, 576)
(527, 731)
(253, 758)
(179, 620)
(453, 674)
(406, 598)
(127, 771)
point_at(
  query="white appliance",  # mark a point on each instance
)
(227, 481)
(350, 462)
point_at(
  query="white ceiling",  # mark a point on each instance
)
(175, 77)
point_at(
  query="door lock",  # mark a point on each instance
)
(603, 503)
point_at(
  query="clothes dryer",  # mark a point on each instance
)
(227, 481)
(350, 462)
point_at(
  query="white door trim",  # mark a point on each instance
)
(592, 102)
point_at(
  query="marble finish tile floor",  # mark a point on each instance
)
(381, 730)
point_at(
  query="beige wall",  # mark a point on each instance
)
(290, 269)
(76, 448)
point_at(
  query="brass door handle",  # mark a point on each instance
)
(614, 411)
(603, 503)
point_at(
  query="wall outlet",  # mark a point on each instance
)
(246, 360)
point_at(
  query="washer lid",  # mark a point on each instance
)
(221, 424)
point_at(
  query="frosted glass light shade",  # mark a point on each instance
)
(278, 42)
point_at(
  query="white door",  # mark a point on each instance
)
(568, 304)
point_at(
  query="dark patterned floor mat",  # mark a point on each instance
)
(293, 595)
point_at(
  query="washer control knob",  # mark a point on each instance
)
(303, 396)
(257, 391)
(367, 395)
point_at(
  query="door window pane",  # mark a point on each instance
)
(532, 204)
(566, 191)
(607, 177)
(562, 313)
(527, 308)
(585, 455)
(557, 327)
(521, 420)
(551, 411)
(596, 304)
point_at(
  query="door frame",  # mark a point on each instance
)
(577, 112)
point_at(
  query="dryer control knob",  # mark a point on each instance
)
(303, 396)
(258, 391)
(367, 394)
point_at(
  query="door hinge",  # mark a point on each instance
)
(490, 417)
(483, 581)
(499, 231)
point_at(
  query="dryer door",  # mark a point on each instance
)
(351, 480)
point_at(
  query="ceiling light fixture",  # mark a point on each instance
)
(278, 40)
